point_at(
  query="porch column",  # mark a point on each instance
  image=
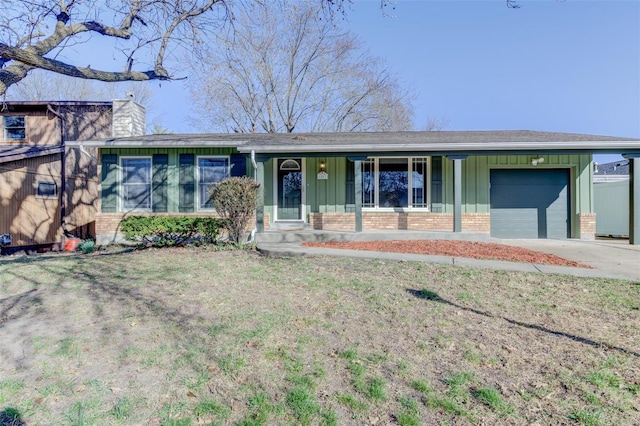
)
(259, 171)
(457, 191)
(357, 182)
(357, 165)
(634, 198)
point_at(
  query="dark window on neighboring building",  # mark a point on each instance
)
(14, 127)
(47, 189)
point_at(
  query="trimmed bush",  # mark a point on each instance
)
(235, 200)
(87, 246)
(161, 231)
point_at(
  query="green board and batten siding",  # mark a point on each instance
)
(475, 175)
(173, 175)
(476, 181)
(327, 195)
(330, 195)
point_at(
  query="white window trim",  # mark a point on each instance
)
(4, 128)
(410, 207)
(121, 183)
(198, 157)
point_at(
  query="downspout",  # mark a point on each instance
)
(255, 212)
(63, 170)
(85, 152)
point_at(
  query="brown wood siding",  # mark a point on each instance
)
(85, 122)
(30, 219)
(41, 128)
(33, 220)
(82, 191)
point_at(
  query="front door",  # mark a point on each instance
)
(290, 189)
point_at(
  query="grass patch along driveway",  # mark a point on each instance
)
(195, 336)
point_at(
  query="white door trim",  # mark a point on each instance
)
(303, 190)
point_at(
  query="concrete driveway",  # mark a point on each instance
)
(616, 256)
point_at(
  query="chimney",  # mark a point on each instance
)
(129, 117)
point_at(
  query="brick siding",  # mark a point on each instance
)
(587, 226)
(416, 221)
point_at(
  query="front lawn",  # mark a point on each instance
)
(196, 336)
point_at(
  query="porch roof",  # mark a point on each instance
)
(372, 143)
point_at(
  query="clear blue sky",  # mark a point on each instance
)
(566, 66)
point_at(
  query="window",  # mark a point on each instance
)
(136, 183)
(211, 170)
(46, 189)
(395, 182)
(14, 127)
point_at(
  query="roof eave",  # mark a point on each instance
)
(8, 156)
(458, 147)
(153, 144)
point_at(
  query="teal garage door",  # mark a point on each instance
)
(531, 203)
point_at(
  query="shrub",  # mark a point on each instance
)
(87, 246)
(160, 231)
(235, 200)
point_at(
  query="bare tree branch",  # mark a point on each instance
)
(36, 61)
(34, 33)
(287, 69)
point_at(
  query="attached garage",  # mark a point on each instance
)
(530, 203)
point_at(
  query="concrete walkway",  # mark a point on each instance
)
(609, 258)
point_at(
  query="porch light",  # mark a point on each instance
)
(537, 161)
(323, 167)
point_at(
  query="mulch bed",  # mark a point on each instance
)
(469, 249)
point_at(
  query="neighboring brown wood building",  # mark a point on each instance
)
(48, 190)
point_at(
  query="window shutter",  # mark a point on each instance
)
(238, 165)
(350, 189)
(109, 180)
(187, 183)
(159, 189)
(436, 184)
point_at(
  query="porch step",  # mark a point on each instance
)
(278, 236)
(289, 226)
(283, 236)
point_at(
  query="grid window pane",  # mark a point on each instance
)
(419, 183)
(14, 127)
(13, 121)
(368, 183)
(136, 183)
(211, 170)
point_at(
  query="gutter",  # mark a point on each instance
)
(85, 152)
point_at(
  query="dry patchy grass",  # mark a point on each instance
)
(195, 336)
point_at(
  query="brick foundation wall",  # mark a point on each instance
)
(478, 222)
(107, 224)
(587, 226)
(425, 221)
(332, 221)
